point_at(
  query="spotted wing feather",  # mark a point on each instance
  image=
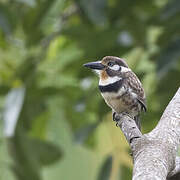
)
(136, 87)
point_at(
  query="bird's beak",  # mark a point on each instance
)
(95, 65)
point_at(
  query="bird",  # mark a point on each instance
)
(120, 87)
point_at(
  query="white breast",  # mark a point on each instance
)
(109, 80)
(112, 101)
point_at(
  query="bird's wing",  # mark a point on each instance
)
(137, 88)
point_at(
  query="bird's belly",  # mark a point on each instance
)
(117, 105)
(122, 104)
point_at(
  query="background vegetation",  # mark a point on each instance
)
(54, 123)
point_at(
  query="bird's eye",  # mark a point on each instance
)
(110, 64)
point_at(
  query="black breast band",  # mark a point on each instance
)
(114, 87)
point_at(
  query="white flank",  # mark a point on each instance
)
(121, 91)
(134, 95)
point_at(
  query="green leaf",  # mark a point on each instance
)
(4, 89)
(105, 170)
(95, 10)
(125, 172)
(5, 25)
(21, 173)
(45, 152)
(30, 3)
(34, 17)
(168, 58)
(30, 155)
(171, 9)
(39, 126)
(83, 133)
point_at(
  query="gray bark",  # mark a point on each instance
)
(154, 153)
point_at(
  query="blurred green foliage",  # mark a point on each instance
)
(55, 123)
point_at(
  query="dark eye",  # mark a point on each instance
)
(110, 64)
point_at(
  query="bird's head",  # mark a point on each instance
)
(109, 68)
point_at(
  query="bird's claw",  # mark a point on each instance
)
(131, 154)
(117, 117)
(114, 116)
(117, 125)
(126, 114)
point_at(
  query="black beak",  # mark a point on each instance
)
(95, 65)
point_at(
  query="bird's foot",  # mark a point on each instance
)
(117, 117)
(127, 114)
(114, 115)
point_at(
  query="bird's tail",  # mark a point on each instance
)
(138, 122)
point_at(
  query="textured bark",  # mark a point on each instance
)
(154, 153)
(175, 174)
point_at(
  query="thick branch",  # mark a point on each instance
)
(128, 127)
(154, 153)
(176, 169)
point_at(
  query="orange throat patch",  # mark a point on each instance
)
(103, 75)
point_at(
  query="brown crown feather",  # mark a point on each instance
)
(118, 60)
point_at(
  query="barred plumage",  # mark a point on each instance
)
(120, 87)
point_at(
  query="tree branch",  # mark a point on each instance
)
(176, 169)
(128, 127)
(154, 153)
